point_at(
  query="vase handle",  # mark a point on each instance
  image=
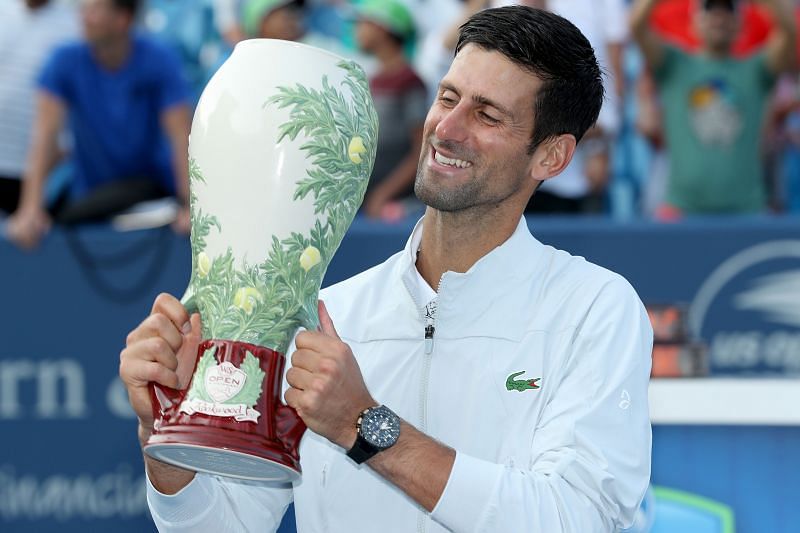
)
(289, 428)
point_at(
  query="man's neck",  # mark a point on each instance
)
(456, 241)
(113, 53)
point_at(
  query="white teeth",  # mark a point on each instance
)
(451, 162)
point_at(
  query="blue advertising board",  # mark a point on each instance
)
(69, 457)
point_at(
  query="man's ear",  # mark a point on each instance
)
(552, 156)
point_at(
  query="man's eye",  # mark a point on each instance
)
(447, 100)
(489, 118)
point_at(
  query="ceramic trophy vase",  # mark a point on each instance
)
(282, 145)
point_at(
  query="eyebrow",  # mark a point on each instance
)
(480, 99)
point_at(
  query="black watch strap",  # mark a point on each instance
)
(362, 450)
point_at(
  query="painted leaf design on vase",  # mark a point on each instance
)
(197, 389)
(279, 295)
(251, 390)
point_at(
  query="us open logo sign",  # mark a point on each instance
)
(748, 311)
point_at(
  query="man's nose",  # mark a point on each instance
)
(453, 124)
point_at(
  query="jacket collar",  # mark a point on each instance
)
(488, 299)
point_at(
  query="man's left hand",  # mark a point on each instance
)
(327, 388)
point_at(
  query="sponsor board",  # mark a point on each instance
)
(54, 390)
(748, 311)
(117, 494)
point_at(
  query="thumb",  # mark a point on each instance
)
(187, 355)
(325, 321)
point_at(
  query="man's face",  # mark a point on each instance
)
(717, 25)
(476, 134)
(101, 21)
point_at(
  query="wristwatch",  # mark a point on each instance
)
(378, 429)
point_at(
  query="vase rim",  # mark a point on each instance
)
(292, 44)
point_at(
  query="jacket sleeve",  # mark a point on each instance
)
(216, 505)
(590, 461)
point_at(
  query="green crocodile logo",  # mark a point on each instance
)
(520, 385)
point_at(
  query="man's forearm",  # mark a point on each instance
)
(416, 464)
(781, 55)
(43, 155)
(650, 44)
(180, 167)
(640, 16)
(782, 15)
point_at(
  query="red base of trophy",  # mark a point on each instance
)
(230, 421)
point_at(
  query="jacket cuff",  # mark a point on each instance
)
(186, 507)
(465, 499)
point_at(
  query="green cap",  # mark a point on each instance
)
(254, 11)
(391, 14)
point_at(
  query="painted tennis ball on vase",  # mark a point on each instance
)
(246, 299)
(310, 257)
(203, 264)
(355, 149)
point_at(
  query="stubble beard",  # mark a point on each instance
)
(443, 198)
(469, 195)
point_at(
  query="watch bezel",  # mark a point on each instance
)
(369, 416)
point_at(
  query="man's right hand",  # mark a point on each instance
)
(163, 350)
(27, 226)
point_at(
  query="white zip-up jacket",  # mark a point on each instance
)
(536, 375)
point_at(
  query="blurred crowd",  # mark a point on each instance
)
(702, 110)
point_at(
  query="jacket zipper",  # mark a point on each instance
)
(430, 330)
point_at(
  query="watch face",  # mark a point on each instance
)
(380, 427)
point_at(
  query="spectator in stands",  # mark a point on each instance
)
(438, 23)
(226, 20)
(785, 143)
(714, 106)
(649, 123)
(436, 48)
(383, 27)
(273, 19)
(581, 187)
(187, 27)
(126, 105)
(29, 30)
(285, 19)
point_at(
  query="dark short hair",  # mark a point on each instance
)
(553, 49)
(131, 6)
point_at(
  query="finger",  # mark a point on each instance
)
(326, 322)
(306, 359)
(173, 309)
(136, 372)
(299, 378)
(153, 349)
(157, 325)
(292, 398)
(187, 356)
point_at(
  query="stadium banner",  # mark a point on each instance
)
(722, 294)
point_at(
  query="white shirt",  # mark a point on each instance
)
(537, 376)
(26, 39)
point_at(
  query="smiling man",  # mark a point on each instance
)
(477, 380)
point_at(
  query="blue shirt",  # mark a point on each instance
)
(114, 115)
